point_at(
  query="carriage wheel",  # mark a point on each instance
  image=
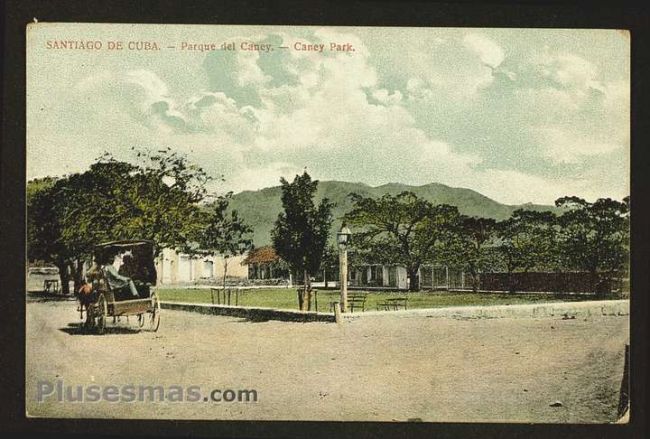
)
(140, 320)
(154, 317)
(102, 313)
(89, 323)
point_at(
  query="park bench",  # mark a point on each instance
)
(393, 304)
(357, 301)
(51, 286)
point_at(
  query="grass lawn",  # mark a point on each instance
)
(286, 298)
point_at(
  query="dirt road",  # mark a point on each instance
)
(375, 369)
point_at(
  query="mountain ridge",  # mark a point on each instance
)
(260, 208)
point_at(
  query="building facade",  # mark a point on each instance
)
(395, 276)
(264, 264)
(174, 267)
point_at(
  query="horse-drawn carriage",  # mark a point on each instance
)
(126, 291)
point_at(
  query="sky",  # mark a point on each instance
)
(519, 115)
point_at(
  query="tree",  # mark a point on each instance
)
(301, 231)
(44, 229)
(466, 246)
(225, 233)
(329, 264)
(154, 199)
(526, 240)
(594, 237)
(402, 229)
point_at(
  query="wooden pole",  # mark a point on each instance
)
(343, 259)
(337, 312)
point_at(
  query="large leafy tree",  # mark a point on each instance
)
(44, 228)
(527, 240)
(156, 198)
(402, 229)
(594, 237)
(225, 232)
(301, 231)
(468, 246)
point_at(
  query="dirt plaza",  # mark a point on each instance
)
(372, 369)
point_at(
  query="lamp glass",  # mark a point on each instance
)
(343, 236)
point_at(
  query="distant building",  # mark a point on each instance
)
(175, 267)
(378, 276)
(395, 276)
(263, 263)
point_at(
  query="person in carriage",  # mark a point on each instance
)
(119, 283)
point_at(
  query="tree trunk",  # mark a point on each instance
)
(77, 269)
(475, 281)
(225, 273)
(593, 280)
(64, 276)
(305, 304)
(325, 277)
(301, 292)
(414, 277)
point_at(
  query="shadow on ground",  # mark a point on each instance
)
(41, 296)
(80, 329)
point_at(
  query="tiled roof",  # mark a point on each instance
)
(262, 255)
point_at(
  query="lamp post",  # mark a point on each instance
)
(343, 238)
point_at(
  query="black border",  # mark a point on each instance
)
(540, 14)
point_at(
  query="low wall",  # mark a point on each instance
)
(251, 313)
(560, 309)
(535, 310)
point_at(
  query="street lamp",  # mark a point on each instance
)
(343, 239)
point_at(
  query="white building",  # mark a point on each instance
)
(394, 276)
(378, 276)
(179, 268)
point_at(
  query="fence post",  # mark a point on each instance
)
(447, 276)
(434, 284)
(337, 312)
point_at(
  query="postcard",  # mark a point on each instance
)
(313, 223)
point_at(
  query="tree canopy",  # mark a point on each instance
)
(469, 246)
(301, 230)
(156, 199)
(225, 232)
(400, 229)
(594, 236)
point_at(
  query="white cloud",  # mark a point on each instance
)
(427, 113)
(262, 176)
(488, 51)
(563, 146)
(498, 184)
(154, 88)
(249, 71)
(385, 97)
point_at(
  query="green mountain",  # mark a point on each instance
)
(260, 208)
